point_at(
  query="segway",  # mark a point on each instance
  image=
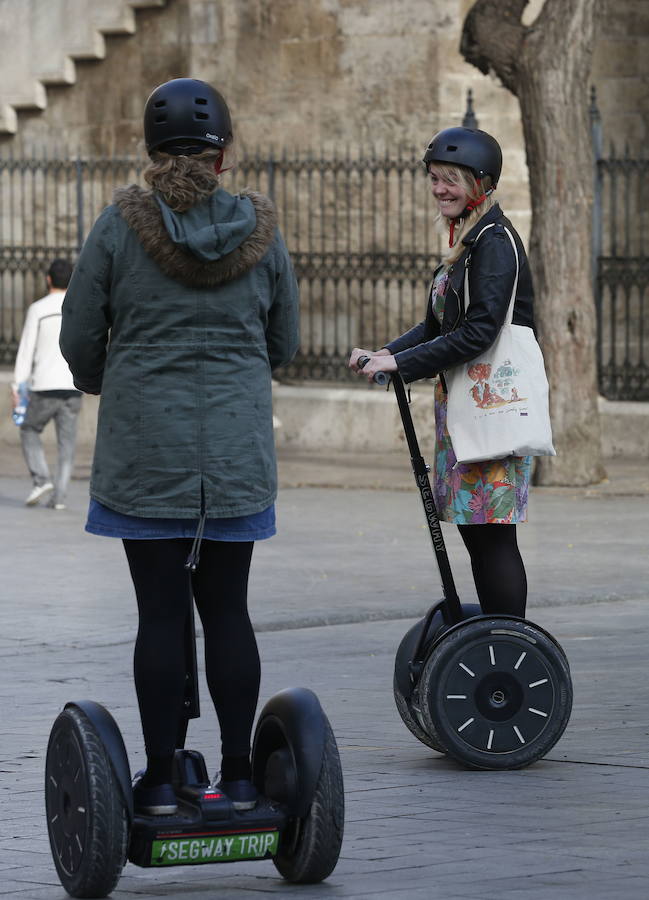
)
(489, 691)
(93, 829)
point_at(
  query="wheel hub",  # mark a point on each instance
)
(498, 696)
(496, 693)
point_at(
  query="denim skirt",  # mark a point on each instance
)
(109, 523)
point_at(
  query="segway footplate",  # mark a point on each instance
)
(209, 832)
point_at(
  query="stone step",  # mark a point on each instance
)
(40, 41)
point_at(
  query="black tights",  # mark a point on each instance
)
(497, 566)
(164, 589)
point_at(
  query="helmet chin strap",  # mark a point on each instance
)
(467, 209)
(219, 168)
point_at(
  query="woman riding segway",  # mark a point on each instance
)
(195, 289)
(484, 685)
(485, 499)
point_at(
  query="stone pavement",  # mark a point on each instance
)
(331, 597)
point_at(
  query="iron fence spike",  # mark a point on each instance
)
(469, 120)
(593, 108)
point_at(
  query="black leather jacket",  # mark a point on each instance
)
(426, 350)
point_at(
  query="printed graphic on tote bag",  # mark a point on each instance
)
(503, 391)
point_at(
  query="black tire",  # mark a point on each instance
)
(410, 720)
(497, 692)
(86, 818)
(310, 846)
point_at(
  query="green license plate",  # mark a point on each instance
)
(214, 848)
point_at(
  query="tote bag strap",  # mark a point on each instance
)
(510, 310)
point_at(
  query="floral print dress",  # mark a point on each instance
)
(491, 492)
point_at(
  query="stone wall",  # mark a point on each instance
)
(621, 73)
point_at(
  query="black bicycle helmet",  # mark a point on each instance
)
(468, 147)
(184, 116)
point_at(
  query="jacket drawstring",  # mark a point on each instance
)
(195, 553)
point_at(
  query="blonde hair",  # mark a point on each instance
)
(465, 178)
(183, 181)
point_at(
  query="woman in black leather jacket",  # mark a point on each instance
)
(486, 499)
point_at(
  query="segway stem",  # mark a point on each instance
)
(191, 704)
(452, 609)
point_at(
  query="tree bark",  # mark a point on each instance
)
(547, 66)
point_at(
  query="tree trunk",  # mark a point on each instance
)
(547, 67)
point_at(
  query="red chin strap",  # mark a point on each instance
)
(467, 209)
(218, 165)
(474, 203)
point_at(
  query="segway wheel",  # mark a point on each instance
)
(86, 818)
(310, 847)
(405, 696)
(498, 693)
(411, 721)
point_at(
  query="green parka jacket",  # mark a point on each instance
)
(178, 320)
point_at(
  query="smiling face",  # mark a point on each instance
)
(448, 190)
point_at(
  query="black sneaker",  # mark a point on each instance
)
(242, 793)
(158, 800)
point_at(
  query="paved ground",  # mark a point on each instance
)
(357, 564)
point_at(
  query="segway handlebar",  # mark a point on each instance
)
(381, 378)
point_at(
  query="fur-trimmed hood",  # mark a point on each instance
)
(215, 242)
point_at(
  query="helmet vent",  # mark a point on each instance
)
(451, 148)
(160, 118)
(160, 103)
(199, 115)
(201, 100)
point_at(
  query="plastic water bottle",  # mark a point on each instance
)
(20, 409)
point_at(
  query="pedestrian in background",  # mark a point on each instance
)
(42, 373)
(195, 287)
(484, 499)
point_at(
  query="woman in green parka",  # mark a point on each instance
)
(181, 305)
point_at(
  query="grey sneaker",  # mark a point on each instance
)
(39, 492)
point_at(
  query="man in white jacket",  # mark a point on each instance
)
(41, 369)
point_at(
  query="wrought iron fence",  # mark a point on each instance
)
(621, 267)
(46, 209)
(360, 231)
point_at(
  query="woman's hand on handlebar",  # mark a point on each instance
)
(378, 363)
(357, 353)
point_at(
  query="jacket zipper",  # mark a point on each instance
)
(453, 327)
(459, 312)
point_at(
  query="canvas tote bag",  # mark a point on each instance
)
(498, 402)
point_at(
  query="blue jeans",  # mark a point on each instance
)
(41, 409)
